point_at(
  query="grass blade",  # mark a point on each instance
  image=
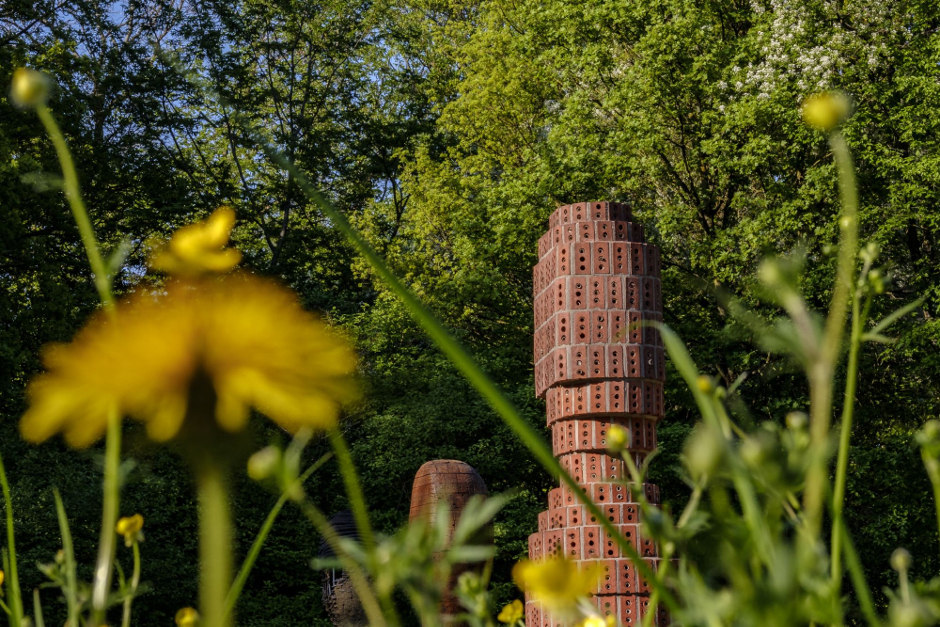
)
(71, 580)
(12, 579)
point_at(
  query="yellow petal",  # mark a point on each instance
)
(218, 227)
(511, 613)
(166, 421)
(231, 412)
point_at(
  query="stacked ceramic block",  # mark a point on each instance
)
(597, 364)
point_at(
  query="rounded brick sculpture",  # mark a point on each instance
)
(596, 284)
(453, 482)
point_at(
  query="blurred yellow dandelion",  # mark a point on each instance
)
(825, 111)
(511, 613)
(557, 583)
(200, 248)
(246, 337)
(187, 617)
(1, 577)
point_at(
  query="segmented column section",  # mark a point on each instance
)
(596, 364)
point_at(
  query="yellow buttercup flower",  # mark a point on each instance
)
(187, 617)
(597, 621)
(130, 528)
(200, 248)
(1, 577)
(216, 347)
(557, 583)
(825, 111)
(512, 613)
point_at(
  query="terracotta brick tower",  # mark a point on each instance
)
(595, 283)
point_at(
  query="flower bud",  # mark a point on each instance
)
(825, 111)
(618, 439)
(703, 452)
(29, 88)
(264, 463)
(929, 437)
(909, 615)
(753, 452)
(187, 617)
(769, 273)
(705, 384)
(797, 420)
(900, 560)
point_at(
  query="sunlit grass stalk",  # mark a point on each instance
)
(108, 542)
(235, 591)
(12, 578)
(37, 609)
(859, 317)
(822, 371)
(215, 543)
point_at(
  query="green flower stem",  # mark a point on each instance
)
(932, 464)
(71, 578)
(353, 489)
(821, 372)
(360, 511)
(12, 578)
(859, 317)
(135, 581)
(37, 609)
(359, 582)
(107, 544)
(74, 196)
(235, 591)
(857, 576)
(215, 544)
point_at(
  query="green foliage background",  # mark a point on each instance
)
(448, 131)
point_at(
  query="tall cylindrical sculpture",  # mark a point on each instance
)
(597, 364)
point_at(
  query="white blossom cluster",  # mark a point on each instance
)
(806, 44)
